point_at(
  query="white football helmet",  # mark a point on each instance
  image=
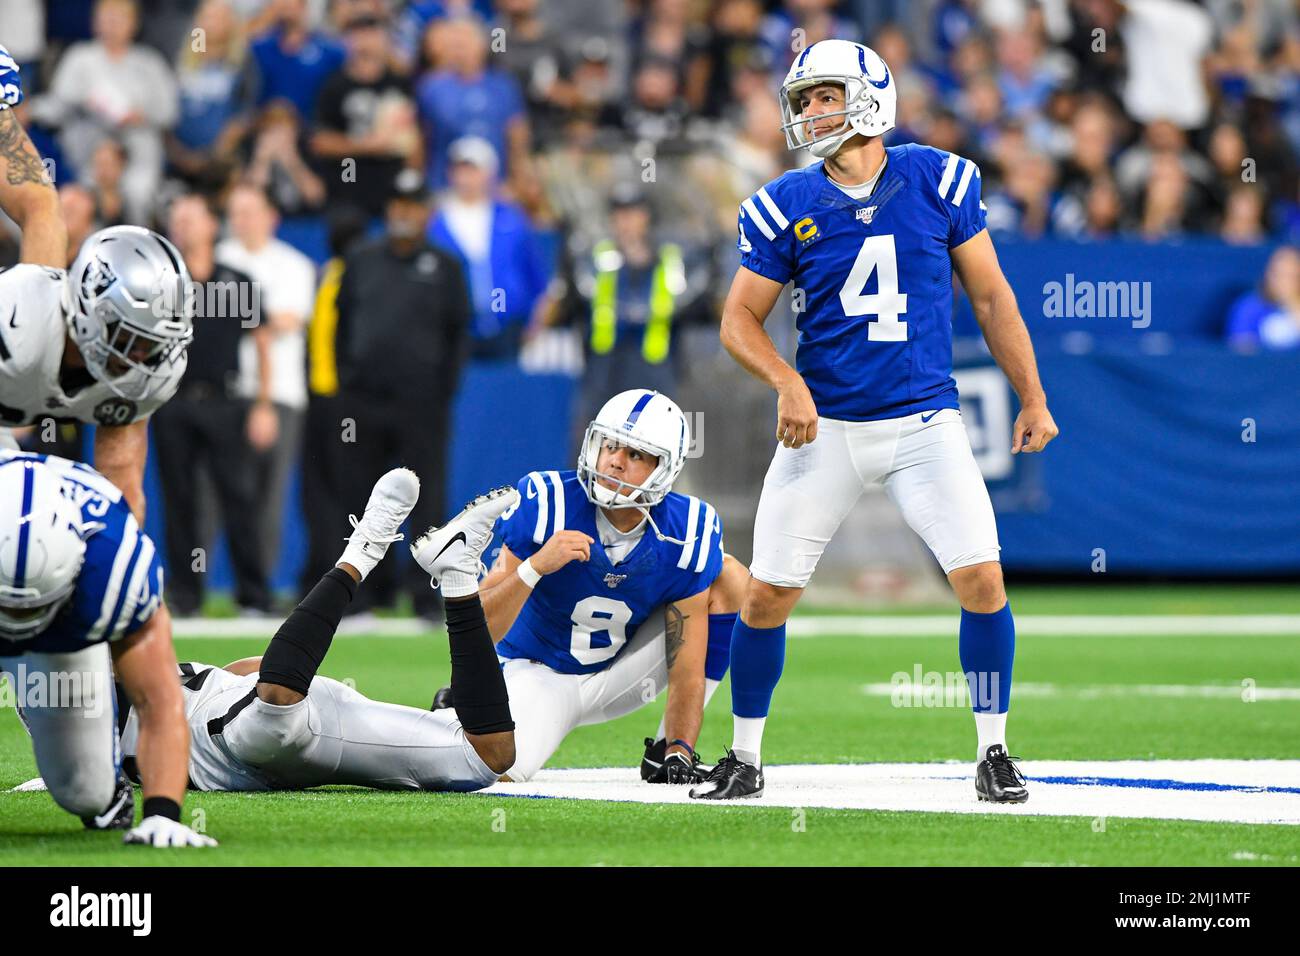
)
(640, 419)
(42, 545)
(129, 300)
(870, 95)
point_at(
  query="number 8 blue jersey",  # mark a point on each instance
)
(120, 585)
(875, 277)
(578, 619)
(11, 86)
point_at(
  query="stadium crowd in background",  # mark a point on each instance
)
(1089, 119)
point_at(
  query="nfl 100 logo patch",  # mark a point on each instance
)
(614, 580)
(865, 215)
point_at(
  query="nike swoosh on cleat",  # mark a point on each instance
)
(458, 536)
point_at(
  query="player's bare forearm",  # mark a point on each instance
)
(744, 314)
(145, 663)
(28, 196)
(686, 640)
(1004, 330)
(120, 452)
(503, 594)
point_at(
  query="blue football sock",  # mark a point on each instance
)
(719, 653)
(987, 646)
(757, 657)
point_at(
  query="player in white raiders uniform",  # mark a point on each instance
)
(27, 193)
(81, 597)
(871, 236)
(273, 723)
(608, 590)
(103, 343)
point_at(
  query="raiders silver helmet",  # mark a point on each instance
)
(130, 311)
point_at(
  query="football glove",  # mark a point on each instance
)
(161, 831)
(676, 768)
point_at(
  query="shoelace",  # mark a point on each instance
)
(1006, 773)
(720, 768)
(396, 536)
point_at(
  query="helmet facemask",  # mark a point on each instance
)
(626, 495)
(860, 103)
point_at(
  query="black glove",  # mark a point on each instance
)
(676, 768)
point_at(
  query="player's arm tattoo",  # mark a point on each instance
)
(22, 162)
(674, 626)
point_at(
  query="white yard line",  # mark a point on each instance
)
(1207, 790)
(919, 695)
(864, 625)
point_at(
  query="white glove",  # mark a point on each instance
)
(161, 831)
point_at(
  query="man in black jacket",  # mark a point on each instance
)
(403, 319)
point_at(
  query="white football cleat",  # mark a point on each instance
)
(391, 500)
(458, 546)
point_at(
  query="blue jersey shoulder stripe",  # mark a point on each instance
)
(123, 590)
(557, 509)
(692, 536)
(25, 529)
(710, 520)
(126, 551)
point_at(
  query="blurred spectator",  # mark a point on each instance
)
(734, 43)
(208, 426)
(1166, 42)
(1161, 138)
(498, 254)
(276, 163)
(286, 283)
(213, 74)
(666, 33)
(111, 87)
(657, 114)
(104, 179)
(403, 318)
(320, 495)
(463, 96)
(293, 59)
(78, 206)
(365, 114)
(1167, 204)
(534, 56)
(1243, 216)
(24, 37)
(632, 294)
(1269, 317)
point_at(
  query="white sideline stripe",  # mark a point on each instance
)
(950, 788)
(921, 693)
(749, 207)
(1027, 625)
(1052, 625)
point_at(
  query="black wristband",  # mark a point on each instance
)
(162, 807)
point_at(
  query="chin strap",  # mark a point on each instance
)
(659, 534)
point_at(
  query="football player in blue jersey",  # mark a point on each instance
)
(871, 236)
(27, 192)
(81, 598)
(608, 589)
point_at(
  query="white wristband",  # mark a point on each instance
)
(528, 574)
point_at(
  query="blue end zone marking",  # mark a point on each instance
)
(1156, 784)
(638, 408)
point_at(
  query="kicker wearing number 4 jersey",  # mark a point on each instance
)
(610, 589)
(871, 236)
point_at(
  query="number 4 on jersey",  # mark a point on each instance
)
(887, 303)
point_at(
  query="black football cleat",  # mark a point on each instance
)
(442, 700)
(998, 779)
(653, 759)
(731, 779)
(120, 812)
